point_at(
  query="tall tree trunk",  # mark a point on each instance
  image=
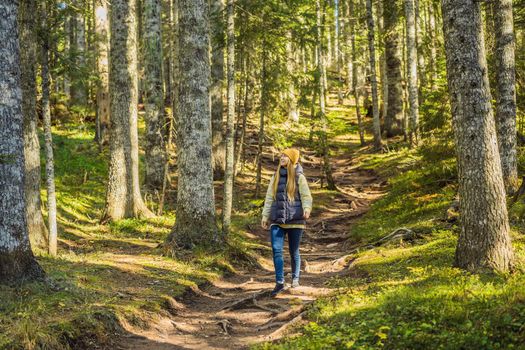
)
(433, 44)
(123, 197)
(355, 72)
(506, 92)
(327, 167)
(337, 49)
(230, 123)
(155, 147)
(293, 112)
(195, 211)
(246, 109)
(412, 72)
(46, 116)
(349, 63)
(382, 61)
(394, 116)
(17, 262)
(373, 77)
(420, 34)
(79, 87)
(484, 240)
(262, 113)
(27, 25)
(217, 83)
(102, 48)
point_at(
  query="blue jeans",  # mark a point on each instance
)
(294, 239)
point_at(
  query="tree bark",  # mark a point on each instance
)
(79, 87)
(506, 92)
(217, 83)
(382, 62)
(412, 72)
(355, 72)
(262, 114)
(155, 146)
(230, 123)
(394, 116)
(293, 112)
(102, 48)
(373, 77)
(484, 241)
(337, 51)
(17, 262)
(321, 68)
(123, 197)
(27, 25)
(195, 211)
(46, 116)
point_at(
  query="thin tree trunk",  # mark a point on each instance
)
(102, 48)
(217, 84)
(412, 72)
(433, 44)
(293, 113)
(373, 77)
(27, 25)
(484, 241)
(262, 113)
(382, 61)
(46, 116)
(17, 262)
(155, 146)
(506, 92)
(174, 69)
(421, 68)
(195, 224)
(337, 46)
(348, 47)
(394, 116)
(230, 123)
(355, 73)
(123, 197)
(246, 109)
(327, 167)
(79, 87)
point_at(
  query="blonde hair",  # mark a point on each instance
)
(290, 182)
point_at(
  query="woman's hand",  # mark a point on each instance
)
(306, 214)
(264, 223)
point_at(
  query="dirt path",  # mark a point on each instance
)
(237, 311)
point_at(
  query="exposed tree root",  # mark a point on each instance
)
(245, 302)
(279, 332)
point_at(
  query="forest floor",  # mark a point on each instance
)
(237, 311)
(111, 287)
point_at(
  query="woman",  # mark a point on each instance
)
(287, 206)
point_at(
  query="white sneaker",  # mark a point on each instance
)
(295, 283)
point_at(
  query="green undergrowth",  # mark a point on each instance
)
(105, 275)
(408, 295)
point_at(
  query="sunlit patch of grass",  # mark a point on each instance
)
(104, 273)
(408, 295)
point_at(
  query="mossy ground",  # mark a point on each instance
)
(408, 295)
(104, 274)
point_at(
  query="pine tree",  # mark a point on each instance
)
(484, 240)
(195, 210)
(123, 197)
(17, 262)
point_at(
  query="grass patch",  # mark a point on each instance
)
(408, 295)
(103, 275)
